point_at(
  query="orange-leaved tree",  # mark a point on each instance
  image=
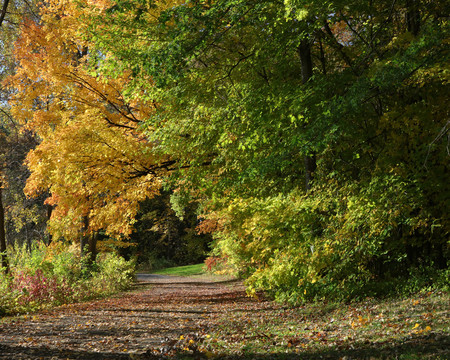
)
(93, 157)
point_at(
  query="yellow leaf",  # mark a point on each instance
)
(416, 326)
(428, 328)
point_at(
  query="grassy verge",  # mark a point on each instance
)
(411, 328)
(417, 327)
(188, 270)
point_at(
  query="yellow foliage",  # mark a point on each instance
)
(93, 158)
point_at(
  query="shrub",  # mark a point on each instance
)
(54, 275)
(114, 273)
(218, 265)
(340, 241)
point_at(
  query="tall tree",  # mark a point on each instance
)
(23, 219)
(241, 118)
(4, 258)
(93, 158)
(224, 104)
(4, 10)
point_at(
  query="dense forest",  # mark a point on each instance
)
(301, 144)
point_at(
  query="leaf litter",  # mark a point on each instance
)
(202, 318)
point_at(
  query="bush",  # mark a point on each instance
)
(114, 273)
(340, 241)
(54, 275)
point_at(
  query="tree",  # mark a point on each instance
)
(4, 260)
(244, 121)
(22, 219)
(3, 12)
(214, 86)
(168, 237)
(242, 101)
(93, 158)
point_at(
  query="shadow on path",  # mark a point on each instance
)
(25, 352)
(152, 321)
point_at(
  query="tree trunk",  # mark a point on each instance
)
(93, 248)
(310, 167)
(304, 51)
(84, 238)
(88, 245)
(4, 11)
(4, 258)
(49, 215)
(413, 16)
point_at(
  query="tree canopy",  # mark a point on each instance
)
(314, 134)
(92, 158)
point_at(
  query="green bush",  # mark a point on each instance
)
(341, 241)
(54, 275)
(114, 273)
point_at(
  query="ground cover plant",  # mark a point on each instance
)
(46, 276)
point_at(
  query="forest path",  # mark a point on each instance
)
(136, 324)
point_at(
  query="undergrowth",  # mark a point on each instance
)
(54, 275)
(353, 288)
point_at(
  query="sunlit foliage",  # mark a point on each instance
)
(314, 134)
(92, 158)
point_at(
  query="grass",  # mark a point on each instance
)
(415, 327)
(401, 327)
(187, 270)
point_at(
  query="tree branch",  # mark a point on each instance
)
(3, 13)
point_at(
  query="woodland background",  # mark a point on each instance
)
(303, 145)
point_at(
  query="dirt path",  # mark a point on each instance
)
(175, 316)
(155, 316)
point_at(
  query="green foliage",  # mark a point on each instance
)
(167, 237)
(5, 297)
(238, 118)
(114, 274)
(338, 243)
(54, 275)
